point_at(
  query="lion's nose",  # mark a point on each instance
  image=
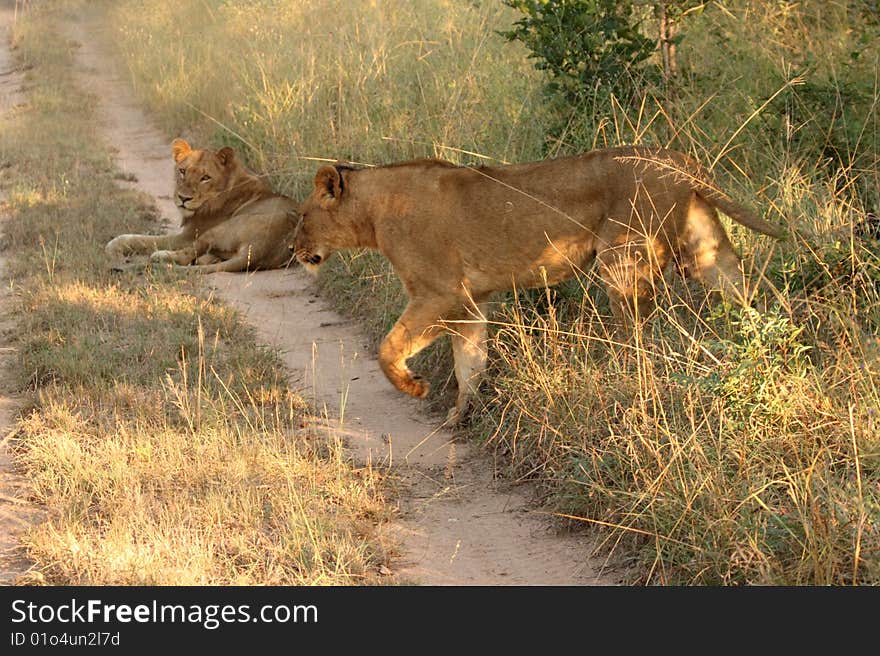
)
(184, 199)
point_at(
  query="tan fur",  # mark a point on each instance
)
(455, 235)
(230, 219)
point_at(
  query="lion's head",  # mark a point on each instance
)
(201, 175)
(326, 225)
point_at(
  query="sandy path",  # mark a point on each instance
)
(16, 513)
(456, 525)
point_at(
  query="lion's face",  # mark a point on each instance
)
(200, 175)
(324, 224)
(311, 245)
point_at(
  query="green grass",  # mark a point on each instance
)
(163, 440)
(718, 447)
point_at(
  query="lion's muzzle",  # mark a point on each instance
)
(309, 258)
(306, 257)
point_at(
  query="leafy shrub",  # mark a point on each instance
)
(587, 46)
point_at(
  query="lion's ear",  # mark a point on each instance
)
(225, 156)
(180, 149)
(328, 187)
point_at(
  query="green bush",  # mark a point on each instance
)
(589, 47)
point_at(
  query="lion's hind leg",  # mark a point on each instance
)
(235, 264)
(207, 258)
(182, 257)
(198, 258)
(707, 254)
(243, 260)
(630, 270)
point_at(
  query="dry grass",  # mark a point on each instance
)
(163, 440)
(334, 79)
(719, 446)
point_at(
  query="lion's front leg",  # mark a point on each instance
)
(469, 347)
(418, 326)
(143, 244)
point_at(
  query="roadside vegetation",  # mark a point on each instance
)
(720, 446)
(163, 441)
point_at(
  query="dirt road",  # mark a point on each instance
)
(15, 512)
(457, 525)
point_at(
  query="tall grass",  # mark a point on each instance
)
(720, 445)
(163, 441)
(366, 81)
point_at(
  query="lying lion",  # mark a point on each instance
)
(457, 234)
(230, 219)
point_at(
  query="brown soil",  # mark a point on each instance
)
(457, 523)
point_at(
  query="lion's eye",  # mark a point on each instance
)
(205, 178)
(182, 172)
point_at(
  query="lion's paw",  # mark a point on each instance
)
(458, 414)
(162, 257)
(454, 416)
(416, 387)
(118, 246)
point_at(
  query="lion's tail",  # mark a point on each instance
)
(735, 211)
(686, 168)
